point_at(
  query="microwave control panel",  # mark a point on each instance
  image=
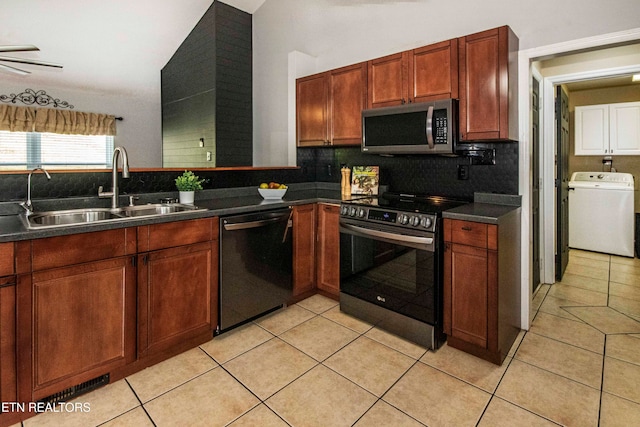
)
(440, 127)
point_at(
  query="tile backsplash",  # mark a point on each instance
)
(424, 174)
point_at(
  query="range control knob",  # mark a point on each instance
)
(403, 219)
(344, 210)
(425, 222)
(361, 212)
(414, 220)
(352, 211)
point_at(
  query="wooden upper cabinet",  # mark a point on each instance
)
(312, 110)
(424, 74)
(348, 97)
(329, 107)
(488, 85)
(434, 72)
(388, 80)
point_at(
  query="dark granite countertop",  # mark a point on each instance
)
(216, 203)
(486, 208)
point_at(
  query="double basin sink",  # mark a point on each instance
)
(63, 218)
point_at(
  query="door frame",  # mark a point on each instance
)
(547, 147)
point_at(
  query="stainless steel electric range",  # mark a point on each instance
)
(391, 255)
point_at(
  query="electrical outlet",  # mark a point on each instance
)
(463, 172)
(208, 156)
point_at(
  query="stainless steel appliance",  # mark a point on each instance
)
(391, 255)
(255, 265)
(420, 128)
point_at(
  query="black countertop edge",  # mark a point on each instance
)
(244, 201)
(486, 208)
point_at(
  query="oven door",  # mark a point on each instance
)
(400, 272)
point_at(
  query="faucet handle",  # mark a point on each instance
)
(132, 199)
(104, 194)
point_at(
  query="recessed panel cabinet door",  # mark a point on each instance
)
(434, 72)
(469, 293)
(387, 79)
(175, 295)
(304, 253)
(83, 323)
(328, 267)
(348, 97)
(312, 101)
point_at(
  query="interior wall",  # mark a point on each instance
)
(338, 33)
(627, 164)
(140, 132)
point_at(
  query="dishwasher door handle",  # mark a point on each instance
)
(252, 224)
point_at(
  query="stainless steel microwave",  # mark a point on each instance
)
(420, 128)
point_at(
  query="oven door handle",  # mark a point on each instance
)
(417, 242)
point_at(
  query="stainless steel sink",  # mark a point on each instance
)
(65, 218)
(157, 209)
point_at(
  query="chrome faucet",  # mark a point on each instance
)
(114, 176)
(28, 206)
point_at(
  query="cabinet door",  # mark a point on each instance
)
(83, 323)
(8, 380)
(177, 296)
(387, 80)
(328, 261)
(624, 128)
(592, 130)
(304, 253)
(484, 66)
(312, 110)
(434, 72)
(348, 97)
(468, 292)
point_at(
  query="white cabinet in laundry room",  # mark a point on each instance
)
(607, 129)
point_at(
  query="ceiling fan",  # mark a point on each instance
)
(21, 48)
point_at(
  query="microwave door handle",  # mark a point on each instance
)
(430, 127)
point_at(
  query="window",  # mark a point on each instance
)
(27, 150)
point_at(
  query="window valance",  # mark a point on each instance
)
(30, 119)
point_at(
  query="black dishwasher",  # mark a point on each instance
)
(255, 265)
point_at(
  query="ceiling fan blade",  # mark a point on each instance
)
(18, 48)
(14, 70)
(29, 61)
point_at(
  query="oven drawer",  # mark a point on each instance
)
(471, 233)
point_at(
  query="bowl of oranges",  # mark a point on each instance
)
(272, 190)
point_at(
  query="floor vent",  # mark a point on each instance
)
(77, 390)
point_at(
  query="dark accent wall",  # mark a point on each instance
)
(423, 174)
(207, 93)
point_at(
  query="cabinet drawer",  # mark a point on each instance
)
(59, 251)
(6, 259)
(469, 233)
(177, 233)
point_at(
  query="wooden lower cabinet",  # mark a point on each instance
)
(175, 296)
(83, 323)
(177, 285)
(482, 286)
(304, 249)
(328, 247)
(8, 373)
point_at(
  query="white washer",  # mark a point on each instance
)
(601, 212)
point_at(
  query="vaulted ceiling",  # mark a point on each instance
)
(114, 46)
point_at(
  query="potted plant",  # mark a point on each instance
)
(187, 184)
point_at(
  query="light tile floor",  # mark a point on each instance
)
(311, 365)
